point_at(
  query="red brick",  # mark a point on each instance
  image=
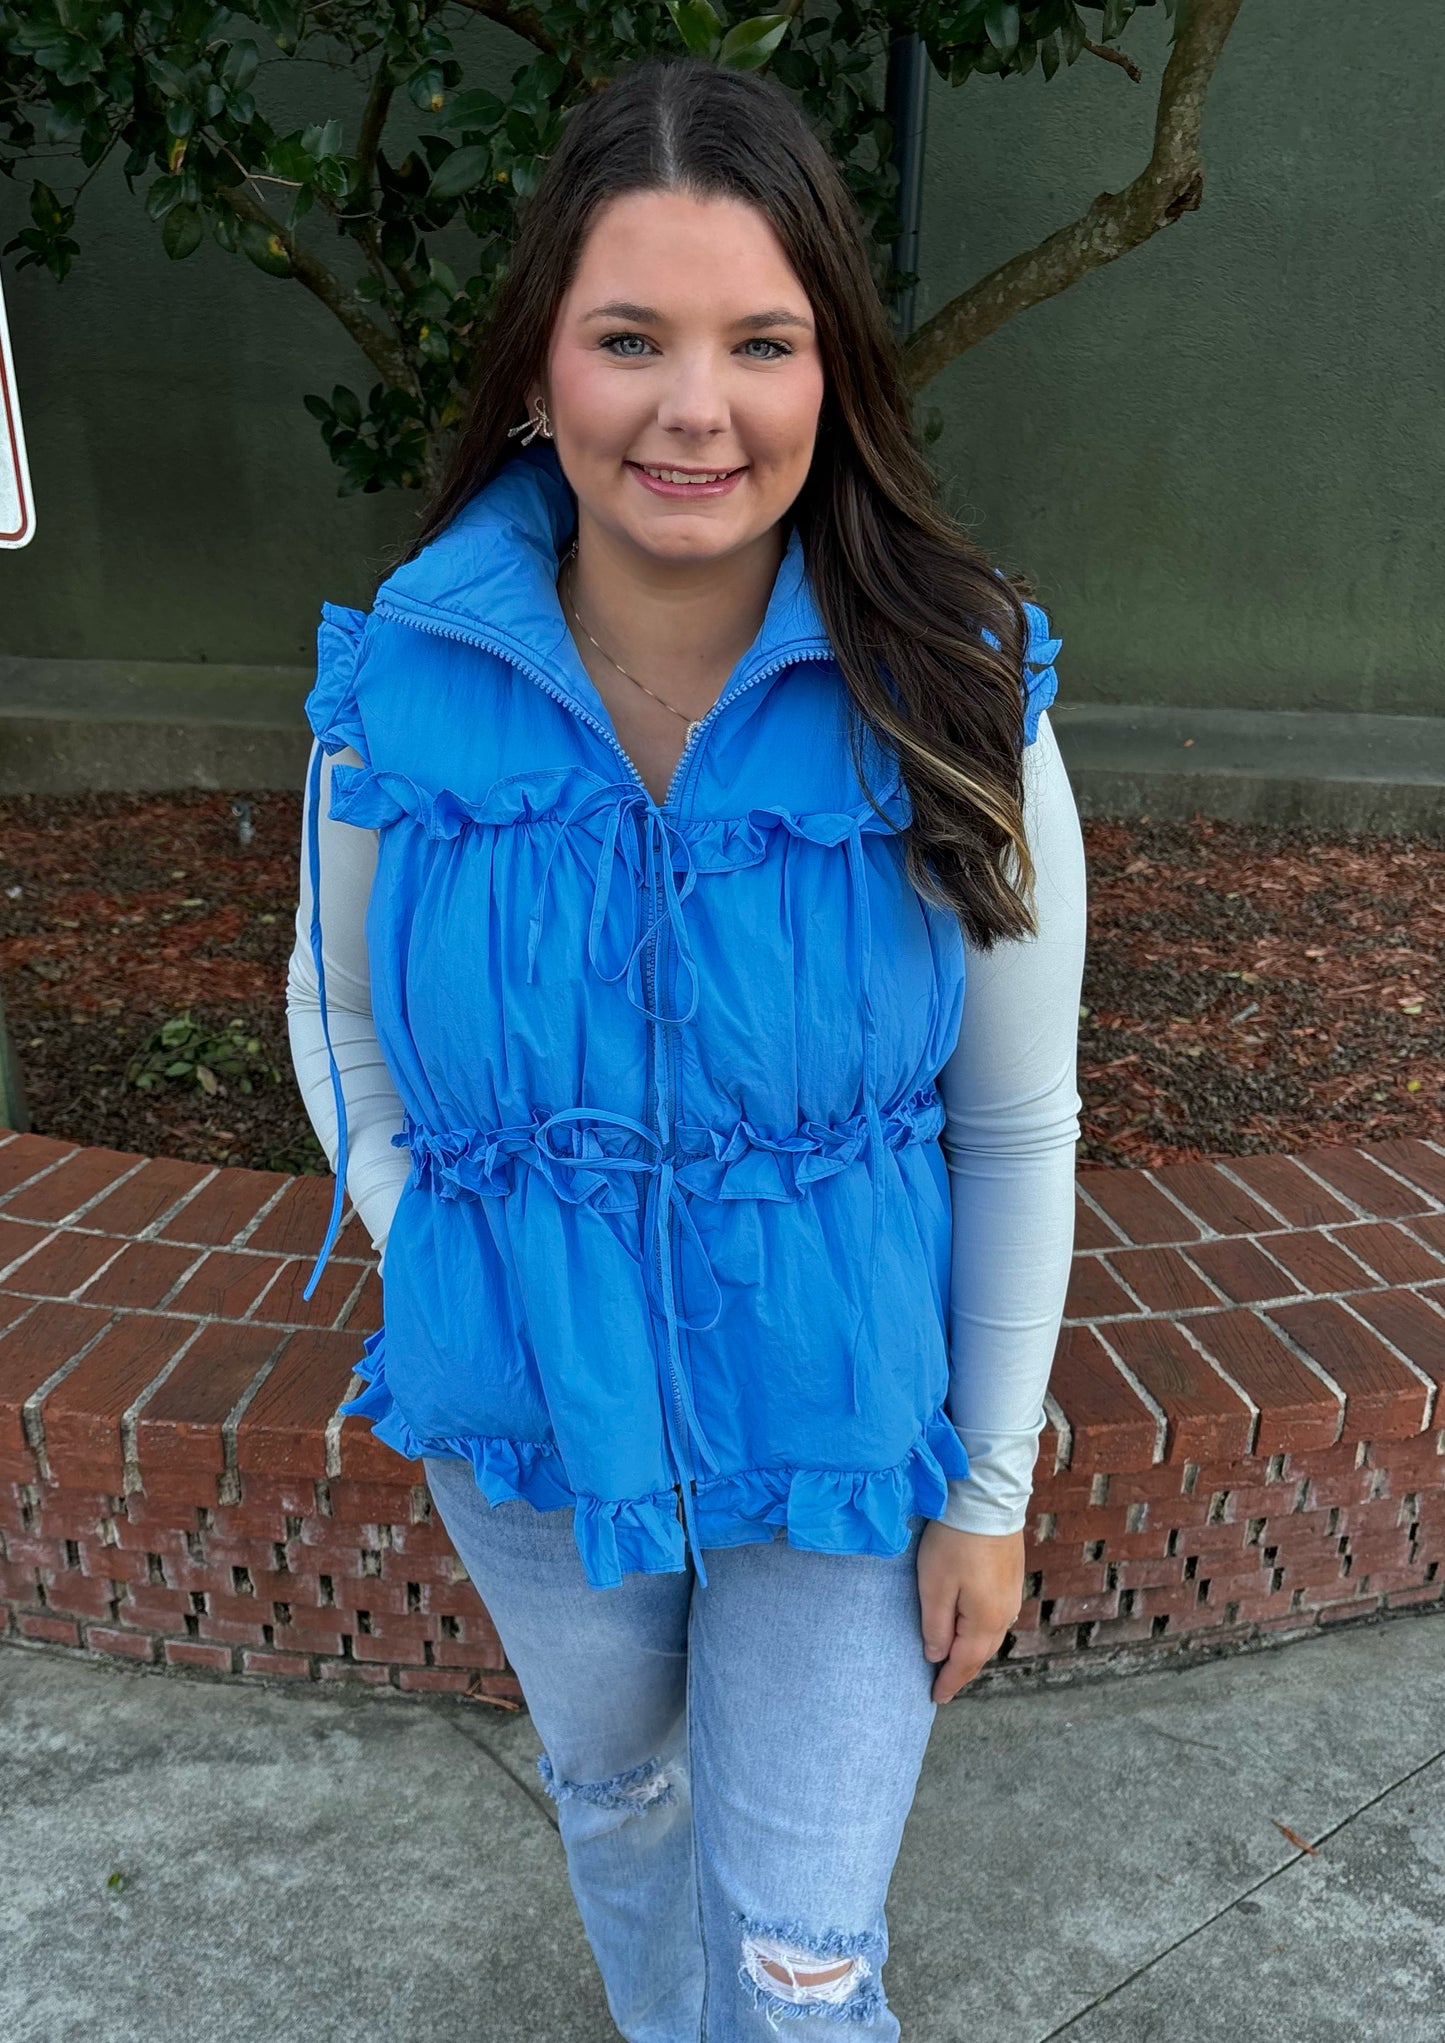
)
(377, 1503)
(353, 1670)
(137, 1204)
(1430, 1592)
(1431, 1228)
(1162, 1279)
(266, 1501)
(365, 1316)
(1084, 1609)
(30, 1352)
(1296, 1411)
(180, 1427)
(296, 1224)
(1206, 1417)
(191, 1653)
(284, 1428)
(283, 1305)
(1141, 1212)
(124, 1645)
(17, 1239)
(12, 1310)
(70, 1592)
(65, 1262)
(232, 1631)
(370, 1459)
(221, 1209)
(1389, 1251)
(1381, 1395)
(292, 1666)
(1111, 1426)
(1219, 1203)
(407, 1652)
(226, 1285)
(140, 1276)
(1293, 1194)
(1410, 1324)
(157, 1610)
(1094, 1293)
(1343, 1609)
(1242, 1272)
(1091, 1231)
(78, 1180)
(434, 1680)
(1317, 1264)
(24, 1155)
(1374, 1191)
(1414, 1160)
(81, 1416)
(48, 1631)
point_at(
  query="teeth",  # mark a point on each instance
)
(681, 475)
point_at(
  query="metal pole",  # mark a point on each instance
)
(13, 1113)
(906, 106)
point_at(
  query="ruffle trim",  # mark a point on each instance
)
(331, 708)
(824, 1510)
(711, 844)
(742, 1162)
(1041, 682)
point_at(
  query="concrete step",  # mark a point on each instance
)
(68, 726)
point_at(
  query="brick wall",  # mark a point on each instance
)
(1245, 1433)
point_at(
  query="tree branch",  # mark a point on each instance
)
(1170, 183)
(1113, 56)
(385, 356)
(524, 21)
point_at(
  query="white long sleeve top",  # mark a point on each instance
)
(1011, 1124)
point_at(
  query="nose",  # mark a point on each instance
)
(694, 400)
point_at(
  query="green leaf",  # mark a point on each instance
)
(697, 24)
(461, 171)
(240, 66)
(182, 232)
(346, 405)
(1049, 55)
(751, 43)
(264, 248)
(1001, 24)
(473, 110)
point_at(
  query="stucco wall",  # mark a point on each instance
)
(1217, 458)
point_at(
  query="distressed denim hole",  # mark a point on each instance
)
(644, 1786)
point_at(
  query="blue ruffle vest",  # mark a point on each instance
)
(674, 1247)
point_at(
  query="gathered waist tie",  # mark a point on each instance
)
(666, 847)
(662, 1197)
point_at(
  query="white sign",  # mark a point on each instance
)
(17, 505)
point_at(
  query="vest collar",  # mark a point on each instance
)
(491, 574)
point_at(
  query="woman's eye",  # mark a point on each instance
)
(613, 338)
(614, 341)
(780, 346)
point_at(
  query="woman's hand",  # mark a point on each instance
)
(970, 1590)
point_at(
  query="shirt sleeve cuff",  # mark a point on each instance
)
(994, 1495)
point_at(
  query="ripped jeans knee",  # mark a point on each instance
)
(648, 1785)
(793, 1972)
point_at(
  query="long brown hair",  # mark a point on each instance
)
(899, 585)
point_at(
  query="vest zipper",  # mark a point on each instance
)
(658, 1032)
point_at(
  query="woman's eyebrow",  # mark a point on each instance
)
(648, 315)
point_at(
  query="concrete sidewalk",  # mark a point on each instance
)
(1098, 1862)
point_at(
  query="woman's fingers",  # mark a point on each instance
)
(970, 1589)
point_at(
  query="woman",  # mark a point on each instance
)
(676, 784)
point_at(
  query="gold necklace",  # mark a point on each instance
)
(569, 559)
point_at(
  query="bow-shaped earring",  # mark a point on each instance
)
(530, 427)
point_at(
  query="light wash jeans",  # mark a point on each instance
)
(732, 1765)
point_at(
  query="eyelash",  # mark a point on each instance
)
(782, 346)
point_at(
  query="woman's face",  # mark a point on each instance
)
(685, 342)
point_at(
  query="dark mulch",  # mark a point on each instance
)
(1248, 989)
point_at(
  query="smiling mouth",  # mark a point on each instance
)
(686, 475)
